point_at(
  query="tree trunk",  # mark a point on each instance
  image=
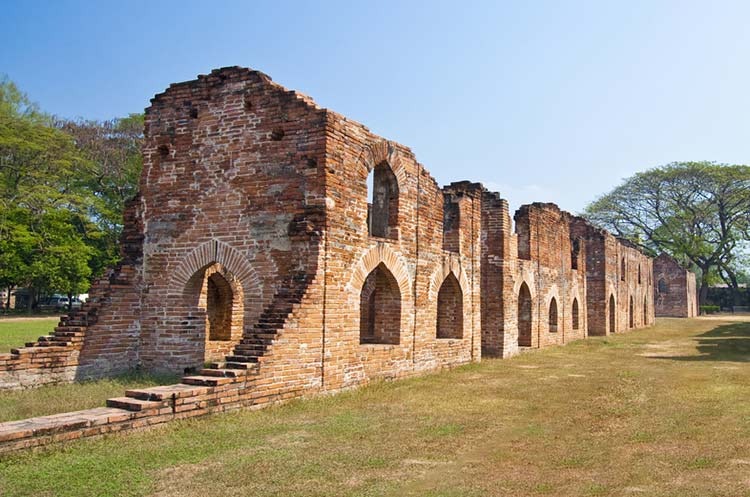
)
(703, 293)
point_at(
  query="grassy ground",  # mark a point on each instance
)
(15, 332)
(55, 399)
(657, 412)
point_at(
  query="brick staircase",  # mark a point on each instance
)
(241, 366)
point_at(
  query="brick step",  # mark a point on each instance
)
(165, 392)
(133, 404)
(241, 358)
(224, 373)
(53, 343)
(248, 366)
(206, 381)
(262, 336)
(70, 329)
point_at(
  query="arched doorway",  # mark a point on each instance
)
(524, 316)
(612, 318)
(216, 299)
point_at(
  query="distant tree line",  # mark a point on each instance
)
(697, 212)
(63, 186)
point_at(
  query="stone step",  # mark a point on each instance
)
(133, 404)
(207, 381)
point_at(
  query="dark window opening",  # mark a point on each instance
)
(612, 321)
(639, 274)
(575, 251)
(662, 286)
(451, 223)
(575, 315)
(622, 269)
(382, 209)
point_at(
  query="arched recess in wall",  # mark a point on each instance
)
(450, 309)
(552, 318)
(380, 308)
(380, 268)
(575, 314)
(645, 310)
(214, 293)
(385, 180)
(524, 316)
(612, 315)
(639, 274)
(622, 269)
(631, 313)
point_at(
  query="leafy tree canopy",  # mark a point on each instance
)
(698, 212)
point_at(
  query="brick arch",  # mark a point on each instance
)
(384, 151)
(449, 265)
(381, 253)
(210, 252)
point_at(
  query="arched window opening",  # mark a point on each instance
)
(662, 286)
(631, 315)
(574, 313)
(451, 224)
(622, 269)
(645, 311)
(575, 250)
(553, 316)
(382, 207)
(524, 316)
(612, 320)
(639, 274)
(450, 315)
(380, 308)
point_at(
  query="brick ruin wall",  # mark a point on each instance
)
(257, 246)
(675, 293)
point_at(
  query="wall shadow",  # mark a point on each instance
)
(729, 343)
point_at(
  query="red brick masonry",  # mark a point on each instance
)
(258, 246)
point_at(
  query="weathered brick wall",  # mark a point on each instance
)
(609, 289)
(554, 273)
(674, 289)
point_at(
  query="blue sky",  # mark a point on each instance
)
(543, 101)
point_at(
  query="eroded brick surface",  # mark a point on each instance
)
(675, 293)
(255, 245)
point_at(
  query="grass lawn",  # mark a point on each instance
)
(15, 332)
(657, 412)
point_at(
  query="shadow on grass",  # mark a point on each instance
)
(729, 342)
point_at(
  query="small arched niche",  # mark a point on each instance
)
(450, 309)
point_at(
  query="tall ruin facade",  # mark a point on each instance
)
(296, 252)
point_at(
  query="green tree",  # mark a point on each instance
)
(44, 202)
(698, 212)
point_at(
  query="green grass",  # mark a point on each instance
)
(54, 399)
(15, 332)
(657, 412)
